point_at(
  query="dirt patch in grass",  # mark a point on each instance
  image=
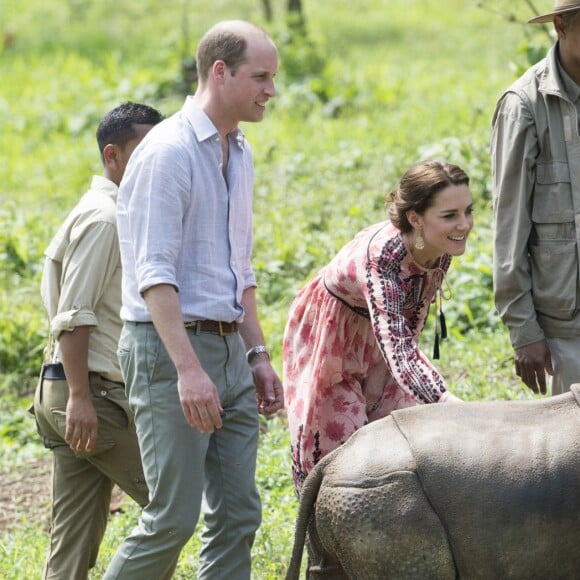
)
(25, 495)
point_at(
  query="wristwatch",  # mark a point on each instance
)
(255, 351)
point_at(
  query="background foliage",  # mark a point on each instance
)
(362, 92)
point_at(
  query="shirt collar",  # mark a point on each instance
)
(203, 126)
(553, 77)
(104, 186)
(571, 88)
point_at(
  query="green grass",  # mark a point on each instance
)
(396, 81)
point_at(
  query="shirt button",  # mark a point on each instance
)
(103, 393)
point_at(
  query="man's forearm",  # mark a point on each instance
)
(250, 329)
(163, 304)
(74, 353)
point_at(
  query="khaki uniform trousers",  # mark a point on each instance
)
(82, 482)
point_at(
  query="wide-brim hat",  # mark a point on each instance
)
(560, 7)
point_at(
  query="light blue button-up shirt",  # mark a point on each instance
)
(181, 223)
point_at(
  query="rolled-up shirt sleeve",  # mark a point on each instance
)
(85, 270)
(248, 272)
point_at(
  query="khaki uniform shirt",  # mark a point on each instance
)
(536, 184)
(81, 280)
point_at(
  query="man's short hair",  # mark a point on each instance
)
(226, 41)
(118, 125)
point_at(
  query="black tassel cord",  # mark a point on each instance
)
(440, 327)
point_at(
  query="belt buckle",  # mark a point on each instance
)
(221, 329)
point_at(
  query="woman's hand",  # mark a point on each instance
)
(448, 397)
(373, 386)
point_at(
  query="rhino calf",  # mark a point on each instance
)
(487, 490)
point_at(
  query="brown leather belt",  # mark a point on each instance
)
(213, 326)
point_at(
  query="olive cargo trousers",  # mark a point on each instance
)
(82, 482)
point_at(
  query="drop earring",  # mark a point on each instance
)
(419, 242)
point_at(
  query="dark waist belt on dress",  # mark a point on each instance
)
(213, 326)
(358, 309)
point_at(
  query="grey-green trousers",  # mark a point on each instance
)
(183, 465)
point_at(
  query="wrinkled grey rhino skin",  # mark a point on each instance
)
(485, 490)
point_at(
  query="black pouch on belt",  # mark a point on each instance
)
(53, 372)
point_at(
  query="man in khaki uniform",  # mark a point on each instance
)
(536, 184)
(80, 405)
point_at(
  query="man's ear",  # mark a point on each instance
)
(110, 155)
(560, 26)
(218, 70)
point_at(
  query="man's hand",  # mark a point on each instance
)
(197, 394)
(269, 391)
(200, 401)
(81, 423)
(533, 361)
(269, 394)
(81, 428)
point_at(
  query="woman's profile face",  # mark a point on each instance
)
(445, 225)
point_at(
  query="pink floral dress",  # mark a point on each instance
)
(351, 351)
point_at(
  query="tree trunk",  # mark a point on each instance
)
(295, 15)
(295, 6)
(267, 7)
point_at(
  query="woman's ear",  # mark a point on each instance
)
(414, 219)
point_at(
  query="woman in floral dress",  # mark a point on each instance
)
(351, 352)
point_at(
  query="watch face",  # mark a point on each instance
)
(256, 350)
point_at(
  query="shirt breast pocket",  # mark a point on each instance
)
(555, 278)
(552, 200)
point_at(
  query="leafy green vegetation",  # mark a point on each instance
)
(373, 87)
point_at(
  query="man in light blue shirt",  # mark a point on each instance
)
(192, 349)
